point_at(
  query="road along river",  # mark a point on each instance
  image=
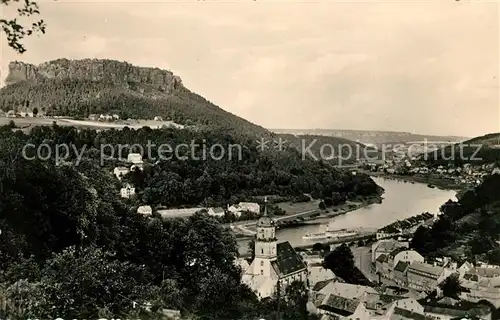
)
(401, 200)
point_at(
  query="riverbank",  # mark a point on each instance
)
(308, 218)
(440, 183)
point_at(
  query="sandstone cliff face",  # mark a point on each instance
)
(94, 70)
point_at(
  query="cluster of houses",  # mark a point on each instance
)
(128, 191)
(405, 227)
(394, 260)
(333, 299)
(103, 117)
(277, 264)
(22, 112)
(467, 174)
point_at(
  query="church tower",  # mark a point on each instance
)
(265, 245)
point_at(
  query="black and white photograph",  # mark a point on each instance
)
(249, 160)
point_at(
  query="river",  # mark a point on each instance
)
(401, 200)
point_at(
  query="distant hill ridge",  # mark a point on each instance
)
(368, 136)
(93, 70)
(479, 150)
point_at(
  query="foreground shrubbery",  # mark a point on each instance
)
(71, 248)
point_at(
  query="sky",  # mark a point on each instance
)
(429, 67)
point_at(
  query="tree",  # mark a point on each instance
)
(15, 31)
(35, 111)
(318, 246)
(251, 249)
(322, 206)
(340, 260)
(451, 286)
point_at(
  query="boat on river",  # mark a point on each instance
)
(331, 234)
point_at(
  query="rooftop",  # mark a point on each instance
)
(288, 261)
(347, 290)
(401, 266)
(426, 268)
(388, 245)
(382, 258)
(340, 305)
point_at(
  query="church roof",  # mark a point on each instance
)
(265, 220)
(288, 261)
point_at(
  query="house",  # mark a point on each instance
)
(403, 254)
(448, 309)
(25, 112)
(337, 307)
(386, 247)
(237, 209)
(136, 160)
(480, 291)
(399, 273)
(177, 213)
(93, 117)
(316, 274)
(340, 300)
(145, 210)
(116, 117)
(216, 212)
(157, 118)
(171, 314)
(276, 265)
(119, 172)
(383, 266)
(105, 117)
(462, 270)
(11, 114)
(388, 232)
(424, 277)
(408, 308)
(127, 191)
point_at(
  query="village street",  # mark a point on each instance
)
(362, 260)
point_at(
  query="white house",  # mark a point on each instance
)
(340, 300)
(135, 158)
(386, 247)
(236, 209)
(425, 277)
(316, 273)
(145, 210)
(127, 191)
(158, 118)
(105, 117)
(119, 172)
(405, 255)
(216, 212)
(276, 265)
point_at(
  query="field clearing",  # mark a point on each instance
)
(292, 208)
(133, 124)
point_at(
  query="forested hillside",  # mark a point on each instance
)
(469, 228)
(243, 171)
(65, 97)
(479, 150)
(72, 248)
